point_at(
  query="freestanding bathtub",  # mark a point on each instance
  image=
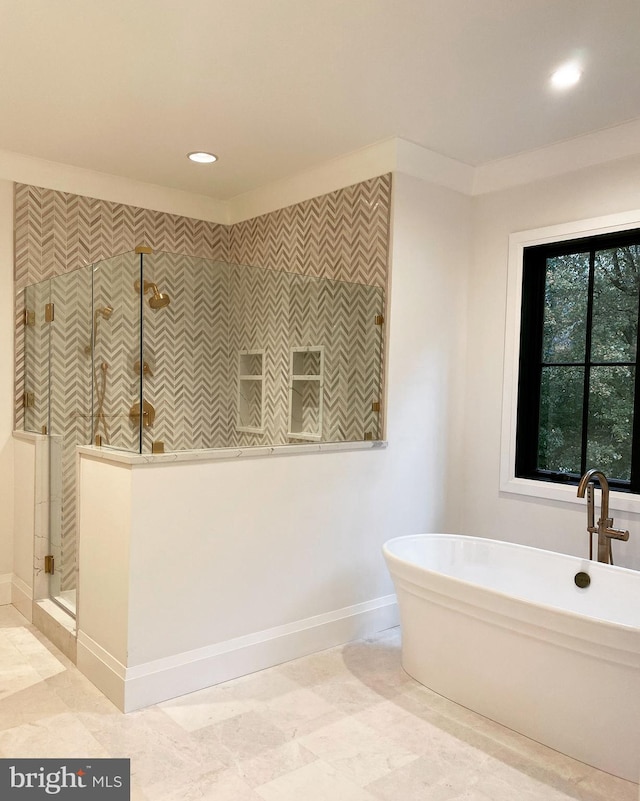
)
(504, 630)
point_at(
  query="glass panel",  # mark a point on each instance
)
(259, 320)
(611, 392)
(615, 304)
(36, 358)
(341, 317)
(218, 354)
(115, 333)
(565, 308)
(187, 386)
(69, 420)
(561, 392)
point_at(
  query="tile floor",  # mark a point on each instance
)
(343, 725)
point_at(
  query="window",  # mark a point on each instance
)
(578, 385)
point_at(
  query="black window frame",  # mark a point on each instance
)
(531, 364)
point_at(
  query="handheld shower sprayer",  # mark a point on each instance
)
(105, 312)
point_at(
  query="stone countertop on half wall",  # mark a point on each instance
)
(215, 454)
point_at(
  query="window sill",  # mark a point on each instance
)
(549, 491)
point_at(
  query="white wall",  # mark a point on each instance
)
(606, 189)
(24, 466)
(6, 378)
(226, 549)
(427, 339)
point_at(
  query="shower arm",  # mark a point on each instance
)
(149, 286)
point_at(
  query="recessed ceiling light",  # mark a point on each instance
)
(201, 157)
(566, 76)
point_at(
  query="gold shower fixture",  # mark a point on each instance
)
(148, 414)
(158, 300)
(146, 370)
(105, 312)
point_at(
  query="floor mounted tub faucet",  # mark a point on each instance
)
(604, 529)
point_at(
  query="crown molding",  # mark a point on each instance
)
(79, 181)
(338, 173)
(389, 155)
(598, 147)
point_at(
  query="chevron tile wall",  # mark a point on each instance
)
(343, 235)
(186, 347)
(217, 309)
(116, 381)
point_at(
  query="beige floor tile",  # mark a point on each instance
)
(29, 706)
(300, 712)
(137, 794)
(275, 762)
(265, 685)
(16, 677)
(228, 700)
(9, 616)
(34, 653)
(245, 736)
(359, 752)
(317, 668)
(429, 779)
(163, 756)
(56, 736)
(80, 695)
(415, 734)
(314, 782)
(349, 695)
(205, 709)
(343, 725)
(226, 786)
(377, 665)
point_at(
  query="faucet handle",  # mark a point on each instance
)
(616, 533)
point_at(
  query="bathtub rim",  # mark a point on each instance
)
(597, 637)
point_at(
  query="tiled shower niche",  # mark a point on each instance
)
(207, 355)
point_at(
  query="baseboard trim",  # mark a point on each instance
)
(5, 588)
(131, 688)
(22, 597)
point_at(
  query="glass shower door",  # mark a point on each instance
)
(36, 332)
(70, 403)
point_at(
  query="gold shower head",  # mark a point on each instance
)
(158, 300)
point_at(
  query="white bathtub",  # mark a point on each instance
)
(502, 629)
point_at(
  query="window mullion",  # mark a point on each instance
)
(634, 481)
(587, 363)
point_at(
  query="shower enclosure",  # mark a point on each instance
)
(155, 352)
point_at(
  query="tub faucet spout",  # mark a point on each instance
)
(604, 529)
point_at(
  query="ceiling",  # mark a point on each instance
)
(128, 87)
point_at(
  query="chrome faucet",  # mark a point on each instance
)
(604, 529)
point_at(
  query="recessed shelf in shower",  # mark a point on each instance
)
(306, 379)
(251, 391)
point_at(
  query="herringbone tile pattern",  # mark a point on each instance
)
(116, 382)
(216, 310)
(259, 318)
(343, 235)
(57, 232)
(34, 357)
(186, 347)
